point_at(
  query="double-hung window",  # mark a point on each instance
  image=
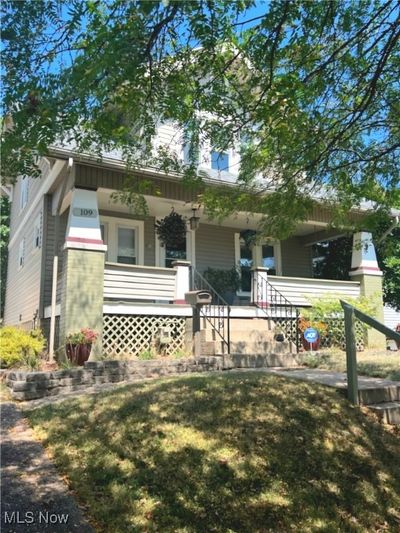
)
(124, 240)
(126, 245)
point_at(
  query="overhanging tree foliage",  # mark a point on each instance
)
(309, 89)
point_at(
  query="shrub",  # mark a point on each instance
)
(146, 355)
(326, 315)
(314, 360)
(223, 281)
(20, 348)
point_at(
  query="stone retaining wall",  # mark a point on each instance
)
(33, 385)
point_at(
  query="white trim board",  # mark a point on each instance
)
(121, 308)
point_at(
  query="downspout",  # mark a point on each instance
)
(55, 263)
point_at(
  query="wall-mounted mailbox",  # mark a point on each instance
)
(198, 298)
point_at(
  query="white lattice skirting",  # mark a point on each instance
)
(131, 335)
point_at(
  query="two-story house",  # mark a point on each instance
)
(79, 258)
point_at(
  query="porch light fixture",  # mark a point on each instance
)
(194, 221)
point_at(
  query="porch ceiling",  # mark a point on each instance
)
(160, 207)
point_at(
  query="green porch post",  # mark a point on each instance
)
(365, 269)
(83, 270)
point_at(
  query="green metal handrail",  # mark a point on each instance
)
(350, 314)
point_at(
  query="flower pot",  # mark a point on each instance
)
(314, 346)
(78, 353)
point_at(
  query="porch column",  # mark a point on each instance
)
(259, 284)
(365, 269)
(182, 281)
(83, 270)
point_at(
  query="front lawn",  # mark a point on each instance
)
(225, 453)
(377, 364)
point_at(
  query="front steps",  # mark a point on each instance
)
(388, 412)
(248, 336)
(383, 399)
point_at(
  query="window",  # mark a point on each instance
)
(21, 254)
(220, 161)
(124, 239)
(245, 265)
(24, 192)
(37, 233)
(175, 253)
(126, 246)
(267, 255)
(268, 258)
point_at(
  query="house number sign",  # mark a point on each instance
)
(84, 212)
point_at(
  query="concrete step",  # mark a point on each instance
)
(245, 324)
(240, 360)
(388, 412)
(370, 393)
(260, 346)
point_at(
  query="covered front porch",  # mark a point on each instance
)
(114, 263)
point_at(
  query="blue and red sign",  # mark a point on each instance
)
(311, 335)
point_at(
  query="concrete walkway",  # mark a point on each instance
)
(338, 380)
(34, 498)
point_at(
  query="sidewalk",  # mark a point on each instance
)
(338, 380)
(33, 496)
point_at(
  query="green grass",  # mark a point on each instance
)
(377, 364)
(225, 453)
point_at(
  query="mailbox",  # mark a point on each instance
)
(198, 298)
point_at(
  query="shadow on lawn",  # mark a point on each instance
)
(226, 453)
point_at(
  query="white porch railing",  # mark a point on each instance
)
(135, 282)
(145, 283)
(296, 290)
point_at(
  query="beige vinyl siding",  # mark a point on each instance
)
(391, 316)
(215, 247)
(23, 284)
(296, 258)
(170, 136)
(34, 185)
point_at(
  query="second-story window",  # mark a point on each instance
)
(24, 192)
(37, 233)
(220, 161)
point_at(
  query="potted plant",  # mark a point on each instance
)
(305, 323)
(171, 230)
(225, 282)
(79, 345)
